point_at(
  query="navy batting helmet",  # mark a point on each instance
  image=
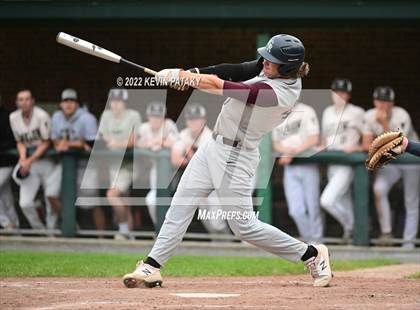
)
(340, 84)
(118, 94)
(384, 93)
(285, 50)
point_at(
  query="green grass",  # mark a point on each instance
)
(415, 276)
(63, 264)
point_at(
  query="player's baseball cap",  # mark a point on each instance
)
(118, 94)
(195, 111)
(156, 108)
(384, 93)
(69, 94)
(340, 84)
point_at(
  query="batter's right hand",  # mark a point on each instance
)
(168, 76)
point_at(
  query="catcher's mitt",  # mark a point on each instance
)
(383, 149)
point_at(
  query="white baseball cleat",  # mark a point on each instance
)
(143, 274)
(319, 266)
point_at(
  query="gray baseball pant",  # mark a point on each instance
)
(228, 171)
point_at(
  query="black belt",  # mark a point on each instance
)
(227, 141)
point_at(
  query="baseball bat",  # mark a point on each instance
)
(95, 50)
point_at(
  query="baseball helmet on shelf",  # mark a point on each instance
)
(340, 84)
(384, 93)
(285, 50)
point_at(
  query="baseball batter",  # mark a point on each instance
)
(383, 117)
(228, 161)
(190, 139)
(159, 132)
(118, 128)
(342, 126)
(297, 134)
(31, 127)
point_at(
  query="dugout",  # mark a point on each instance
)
(370, 42)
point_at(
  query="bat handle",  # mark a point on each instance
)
(133, 64)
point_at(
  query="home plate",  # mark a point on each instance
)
(204, 295)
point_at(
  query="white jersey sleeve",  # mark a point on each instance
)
(310, 123)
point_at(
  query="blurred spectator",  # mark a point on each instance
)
(159, 132)
(190, 139)
(299, 133)
(8, 217)
(118, 128)
(383, 117)
(31, 127)
(76, 128)
(342, 125)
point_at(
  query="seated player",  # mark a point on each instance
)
(383, 117)
(299, 133)
(157, 133)
(76, 128)
(31, 127)
(341, 131)
(118, 128)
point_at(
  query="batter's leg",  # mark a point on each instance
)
(232, 171)
(216, 225)
(195, 184)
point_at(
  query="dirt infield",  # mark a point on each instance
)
(378, 288)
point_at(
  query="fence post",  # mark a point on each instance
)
(68, 194)
(164, 176)
(265, 167)
(361, 206)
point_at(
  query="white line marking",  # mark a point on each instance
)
(204, 295)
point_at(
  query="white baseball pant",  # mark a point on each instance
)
(385, 179)
(46, 173)
(336, 198)
(7, 211)
(301, 187)
(228, 171)
(213, 226)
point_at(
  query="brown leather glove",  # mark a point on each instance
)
(384, 149)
